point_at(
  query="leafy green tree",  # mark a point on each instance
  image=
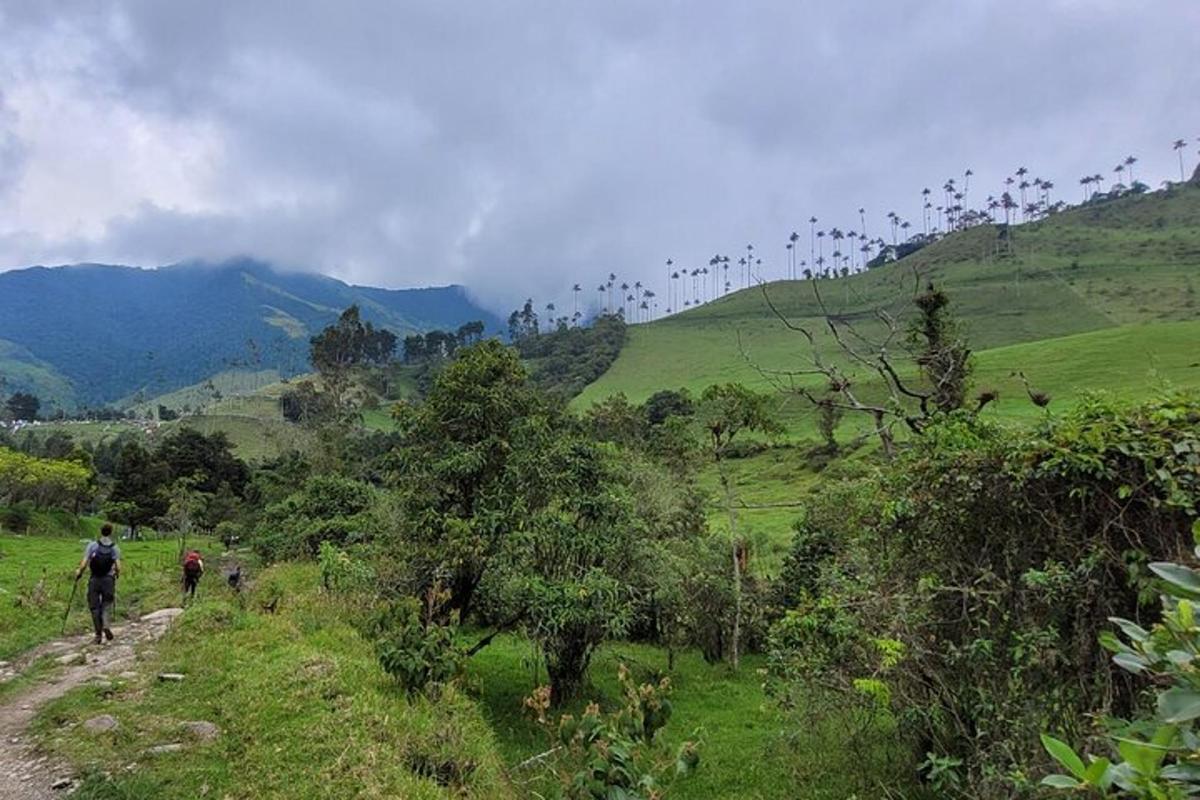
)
(205, 459)
(569, 567)
(459, 499)
(139, 484)
(346, 346)
(23, 406)
(327, 508)
(44, 482)
(727, 411)
(667, 403)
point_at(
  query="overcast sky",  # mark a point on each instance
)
(518, 147)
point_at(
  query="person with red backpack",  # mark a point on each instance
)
(102, 558)
(193, 568)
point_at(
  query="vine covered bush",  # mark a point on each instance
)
(994, 557)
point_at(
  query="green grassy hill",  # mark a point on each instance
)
(1124, 269)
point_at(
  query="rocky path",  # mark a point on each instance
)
(25, 773)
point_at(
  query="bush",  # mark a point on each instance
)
(996, 556)
(1159, 751)
(615, 755)
(328, 509)
(416, 655)
(17, 517)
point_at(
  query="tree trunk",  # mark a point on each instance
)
(565, 670)
(735, 639)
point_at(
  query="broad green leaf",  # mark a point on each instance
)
(1063, 754)
(1178, 705)
(1061, 782)
(1177, 575)
(1138, 755)
(1098, 774)
(1131, 662)
(1131, 629)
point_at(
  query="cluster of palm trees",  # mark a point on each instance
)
(834, 252)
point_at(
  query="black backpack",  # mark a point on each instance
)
(101, 562)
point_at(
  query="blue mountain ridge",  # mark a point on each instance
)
(109, 331)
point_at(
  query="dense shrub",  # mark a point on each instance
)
(413, 652)
(327, 509)
(995, 557)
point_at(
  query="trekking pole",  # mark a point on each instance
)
(70, 602)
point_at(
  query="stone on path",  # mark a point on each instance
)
(61, 783)
(170, 676)
(160, 749)
(204, 731)
(101, 724)
(162, 615)
(71, 659)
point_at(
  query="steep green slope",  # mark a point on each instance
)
(1129, 261)
(22, 371)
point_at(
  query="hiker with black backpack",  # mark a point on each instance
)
(193, 568)
(102, 558)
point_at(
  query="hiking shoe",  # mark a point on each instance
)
(108, 634)
(97, 639)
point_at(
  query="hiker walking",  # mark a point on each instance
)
(193, 568)
(102, 558)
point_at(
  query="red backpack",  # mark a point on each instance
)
(191, 563)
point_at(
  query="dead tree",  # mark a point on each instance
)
(933, 343)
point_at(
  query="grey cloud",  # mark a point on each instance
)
(520, 147)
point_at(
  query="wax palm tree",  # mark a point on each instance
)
(792, 240)
(575, 290)
(925, 208)
(812, 238)
(904, 226)
(820, 249)
(601, 288)
(1118, 169)
(749, 262)
(862, 220)
(967, 181)
(1085, 182)
(1129, 162)
(1178, 146)
(612, 277)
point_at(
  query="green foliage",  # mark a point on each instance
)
(44, 482)
(729, 409)
(342, 572)
(995, 556)
(1155, 756)
(327, 509)
(417, 654)
(459, 495)
(570, 569)
(940, 350)
(22, 406)
(306, 712)
(346, 347)
(564, 361)
(613, 756)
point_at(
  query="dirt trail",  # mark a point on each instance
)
(25, 773)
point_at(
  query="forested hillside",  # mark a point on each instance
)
(92, 334)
